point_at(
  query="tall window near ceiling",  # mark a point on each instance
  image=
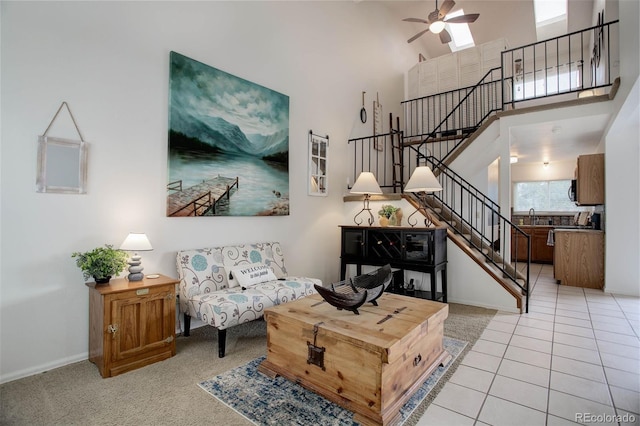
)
(551, 18)
(461, 37)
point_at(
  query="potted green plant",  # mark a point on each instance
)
(101, 263)
(389, 215)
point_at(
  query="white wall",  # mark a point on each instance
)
(622, 160)
(110, 62)
(469, 284)
(622, 203)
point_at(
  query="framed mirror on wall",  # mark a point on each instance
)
(318, 150)
(62, 163)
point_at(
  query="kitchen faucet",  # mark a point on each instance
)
(532, 216)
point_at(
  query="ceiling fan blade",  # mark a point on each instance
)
(416, 20)
(446, 7)
(463, 19)
(417, 35)
(445, 37)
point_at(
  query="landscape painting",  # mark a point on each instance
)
(228, 144)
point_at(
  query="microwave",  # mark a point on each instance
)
(573, 191)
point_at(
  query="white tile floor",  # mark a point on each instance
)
(573, 359)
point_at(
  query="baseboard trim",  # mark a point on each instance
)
(44, 367)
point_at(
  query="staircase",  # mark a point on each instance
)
(476, 226)
(461, 206)
(439, 127)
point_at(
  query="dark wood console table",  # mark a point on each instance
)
(414, 249)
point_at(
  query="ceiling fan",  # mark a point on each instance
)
(436, 21)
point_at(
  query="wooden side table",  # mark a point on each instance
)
(404, 248)
(131, 323)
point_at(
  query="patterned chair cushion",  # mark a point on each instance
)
(228, 307)
(204, 283)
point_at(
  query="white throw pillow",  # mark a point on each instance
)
(248, 275)
(231, 279)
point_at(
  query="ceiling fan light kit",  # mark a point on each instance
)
(437, 22)
(437, 27)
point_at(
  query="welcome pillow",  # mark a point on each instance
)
(248, 275)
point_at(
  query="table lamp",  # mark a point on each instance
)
(421, 182)
(365, 184)
(136, 242)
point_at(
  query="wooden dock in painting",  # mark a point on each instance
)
(200, 198)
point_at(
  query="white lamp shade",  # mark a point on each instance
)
(366, 184)
(422, 180)
(136, 242)
(437, 27)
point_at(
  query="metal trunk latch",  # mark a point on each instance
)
(316, 354)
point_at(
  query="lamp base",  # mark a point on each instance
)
(422, 209)
(138, 276)
(135, 270)
(364, 208)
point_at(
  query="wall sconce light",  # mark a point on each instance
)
(365, 184)
(421, 182)
(136, 242)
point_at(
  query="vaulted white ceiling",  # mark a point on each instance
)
(511, 19)
(561, 140)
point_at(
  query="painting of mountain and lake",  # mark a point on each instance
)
(228, 144)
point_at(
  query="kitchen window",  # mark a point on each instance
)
(543, 196)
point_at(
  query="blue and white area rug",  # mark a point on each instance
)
(278, 401)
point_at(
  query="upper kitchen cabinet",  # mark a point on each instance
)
(590, 180)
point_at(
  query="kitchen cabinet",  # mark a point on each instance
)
(540, 251)
(579, 258)
(519, 247)
(590, 180)
(131, 323)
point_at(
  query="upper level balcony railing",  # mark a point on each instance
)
(436, 125)
(443, 115)
(582, 61)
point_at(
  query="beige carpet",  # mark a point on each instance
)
(167, 393)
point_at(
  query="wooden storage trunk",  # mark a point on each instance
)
(370, 363)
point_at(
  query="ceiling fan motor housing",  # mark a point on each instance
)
(436, 21)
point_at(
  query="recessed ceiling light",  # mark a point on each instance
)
(513, 159)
